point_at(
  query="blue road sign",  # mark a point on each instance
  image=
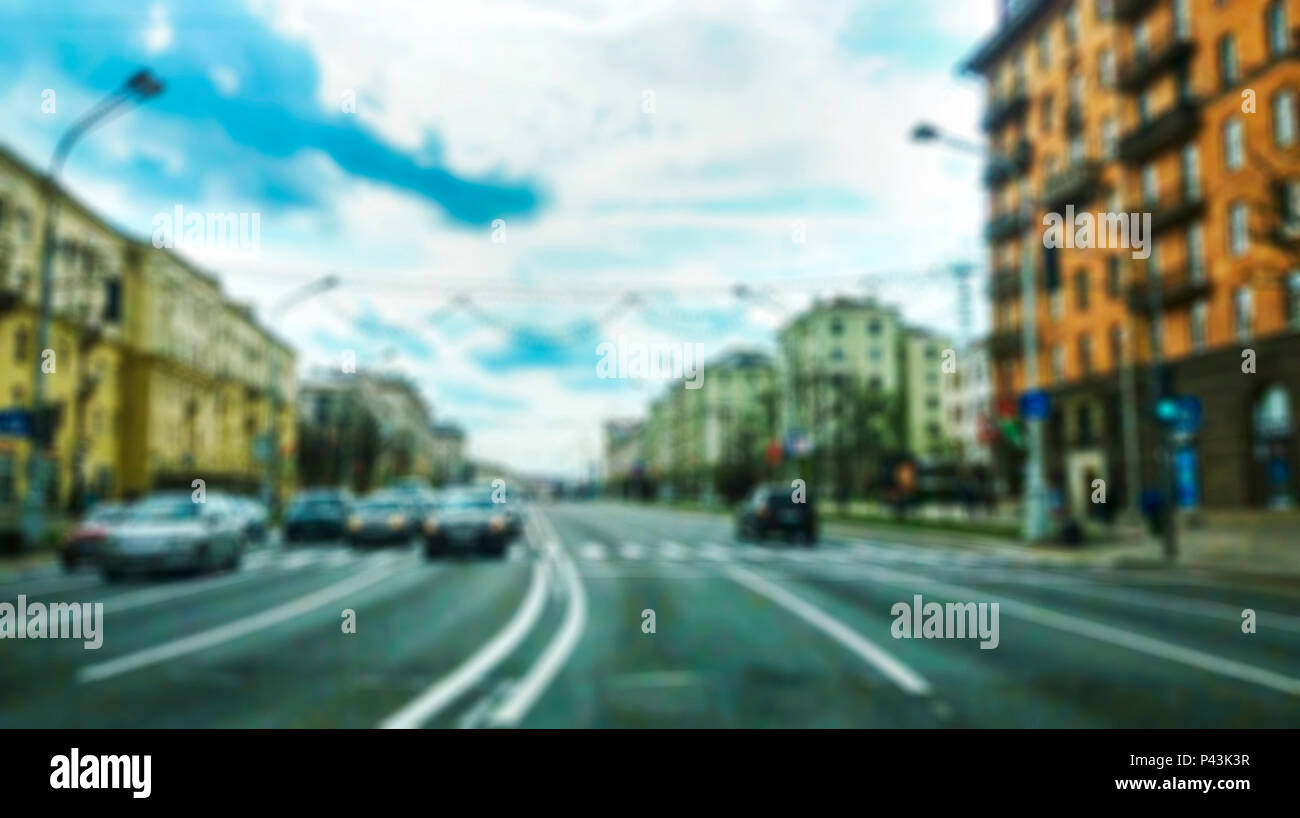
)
(1034, 405)
(15, 422)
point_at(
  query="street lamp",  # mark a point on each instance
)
(1035, 505)
(138, 88)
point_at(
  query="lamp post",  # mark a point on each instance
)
(1035, 505)
(271, 472)
(138, 88)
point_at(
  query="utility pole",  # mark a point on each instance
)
(139, 87)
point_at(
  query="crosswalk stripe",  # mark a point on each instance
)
(632, 551)
(713, 551)
(671, 550)
(593, 551)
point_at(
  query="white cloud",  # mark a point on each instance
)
(158, 33)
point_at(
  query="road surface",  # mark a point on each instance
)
(744, 635)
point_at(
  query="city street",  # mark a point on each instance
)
(745, 635)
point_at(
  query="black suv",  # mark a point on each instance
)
(772, 507)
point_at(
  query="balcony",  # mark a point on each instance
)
(1076, 185)
(1005, 283)
(1011, 166)
(1177, 289)
(1167, 214)
(1172, 127)
(1006, 343)
(1003, 109)
(1129, 11)
(1005, 226)
(1140, 72)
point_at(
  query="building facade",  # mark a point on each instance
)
(135, 364)
(1183, 111)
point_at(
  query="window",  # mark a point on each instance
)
(1085, 354)
(837, 354)
(1072, 24)
(6, 477)
(1195, 253)
(1058, 363)
(1284, 118)
(1243, 312)
(1150, 185)
(1141, 41)
(1227, 61)
(1238, 229)
(1191, 172)
(1116, 345)
(1044, 47)
(113, 300)
(1155, 267)
(1078, 150)
(1078, 87)
(20, 344)
(1293, 299)
(1199, 323)
(1109, 138)
(1144, 107)
(874, 327)
(1234, 146)
(875, 354)
(837, 326)
(1106, 68)
(1081, 289)
(1275, 21)
(1182, 19)
(1290, 204)
(1046, 123)
(1112, 276)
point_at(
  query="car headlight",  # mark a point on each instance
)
(354, 523)
(396, 521)
(497, 523)
(430, 526)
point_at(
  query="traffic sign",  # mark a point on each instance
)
(1034, 405)
(15, 422)
(1182, 413)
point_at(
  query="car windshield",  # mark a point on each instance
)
(315, 506)
(179, 507)
(386, 505)
(465, 500)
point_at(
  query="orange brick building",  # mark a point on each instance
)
(1187, 110)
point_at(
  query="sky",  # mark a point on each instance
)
(503, 185)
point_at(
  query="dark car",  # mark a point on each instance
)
(467, 521)
(83, 544)
(317, 515)
(380, 519)
(772, 508)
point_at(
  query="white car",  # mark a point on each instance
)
(169, 531)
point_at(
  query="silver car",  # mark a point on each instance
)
(169, 531)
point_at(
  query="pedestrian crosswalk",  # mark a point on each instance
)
(845, 554)
(270, 560)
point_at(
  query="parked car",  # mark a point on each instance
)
(465, 521)
(317, 514)
(83, 543)
(170, 531)
(772, 508)
(382, 518)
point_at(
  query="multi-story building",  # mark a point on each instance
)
(154, 376)
(366, 430)
(1184, 110)
(623, 466)
(968, 405)
(449, 464)
(858, 384)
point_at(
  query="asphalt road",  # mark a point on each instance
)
(772, 635)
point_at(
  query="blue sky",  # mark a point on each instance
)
(663, 149)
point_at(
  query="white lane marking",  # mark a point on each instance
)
(900, 674)
(715, 552)
(450, 687)
(672, 550)
(632, 551)
(151, 596)
(529, 689)
(258, 559)
(340, 558)
(593, 551)
(1118, 636)
(1207, 608)
(298, 559)
(40, 586)
(229, 631)
(757, 553)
